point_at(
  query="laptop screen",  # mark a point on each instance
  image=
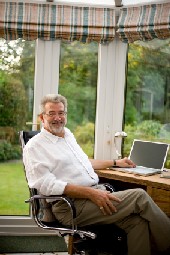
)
(149, 154)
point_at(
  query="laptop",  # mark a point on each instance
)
(148, 156)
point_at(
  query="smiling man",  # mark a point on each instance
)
(55, 165)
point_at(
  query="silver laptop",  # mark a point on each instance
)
(149, 157)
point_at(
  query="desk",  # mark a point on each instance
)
(158, 188)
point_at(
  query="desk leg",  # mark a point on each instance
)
(149, 190)
(70, 245)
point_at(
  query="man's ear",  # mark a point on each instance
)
(41, 117)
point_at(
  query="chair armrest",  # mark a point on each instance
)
(56, 198)
(109, 187)
(61, 230)
(35, 202)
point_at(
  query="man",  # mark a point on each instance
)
(55, 165)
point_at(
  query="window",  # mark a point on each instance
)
(147, 109)
(16, 108)
(78, 83)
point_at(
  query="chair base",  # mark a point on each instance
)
(110, 240)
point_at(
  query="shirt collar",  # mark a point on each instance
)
(51, 137)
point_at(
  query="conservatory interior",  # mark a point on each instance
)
(111, 60)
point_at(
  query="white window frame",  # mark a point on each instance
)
(109, 111)
(110, 98)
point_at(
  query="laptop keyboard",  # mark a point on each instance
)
(140, 169)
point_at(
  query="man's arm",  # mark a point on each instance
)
(103, 199)
(103, 164)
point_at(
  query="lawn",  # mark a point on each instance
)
(13, 189)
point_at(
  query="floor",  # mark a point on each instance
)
(32, 245)
(53, 253)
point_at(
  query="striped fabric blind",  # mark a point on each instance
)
(49, 21)
(144, 22)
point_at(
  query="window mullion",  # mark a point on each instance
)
(110, 97)
(46, 72)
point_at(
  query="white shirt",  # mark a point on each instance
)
(51, 162)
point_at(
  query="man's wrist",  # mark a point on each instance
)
(114, 162)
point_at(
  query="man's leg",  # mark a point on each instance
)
(135, 226)
(136, 206)
(137, 235)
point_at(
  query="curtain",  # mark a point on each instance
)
(50, 21)
(144, 22)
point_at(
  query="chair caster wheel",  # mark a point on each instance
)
(80, 253)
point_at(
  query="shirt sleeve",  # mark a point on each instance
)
(39, 175)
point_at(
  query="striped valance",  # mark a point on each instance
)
(49, 21)
(144, 22)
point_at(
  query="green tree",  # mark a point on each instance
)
(25, 74)
(78, 81)
(85, 138)
(16, 83)
(147, 78)
(13, 98)
(17, 76)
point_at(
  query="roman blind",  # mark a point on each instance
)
(50, 21)
(144, 22)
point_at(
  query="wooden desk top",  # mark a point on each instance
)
(152, 180)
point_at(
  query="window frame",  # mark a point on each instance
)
(110, 97)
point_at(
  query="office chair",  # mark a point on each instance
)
(89, 240)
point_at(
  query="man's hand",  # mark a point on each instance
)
(125, 162)
(103, 199)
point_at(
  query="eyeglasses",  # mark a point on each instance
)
(53, 114)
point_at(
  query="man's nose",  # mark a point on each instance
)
(56, 117)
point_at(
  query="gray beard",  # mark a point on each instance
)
(56, 130)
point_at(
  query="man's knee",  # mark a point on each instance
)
(136, 193)
(141, 193)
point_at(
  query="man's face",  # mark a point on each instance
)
(54, 118)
